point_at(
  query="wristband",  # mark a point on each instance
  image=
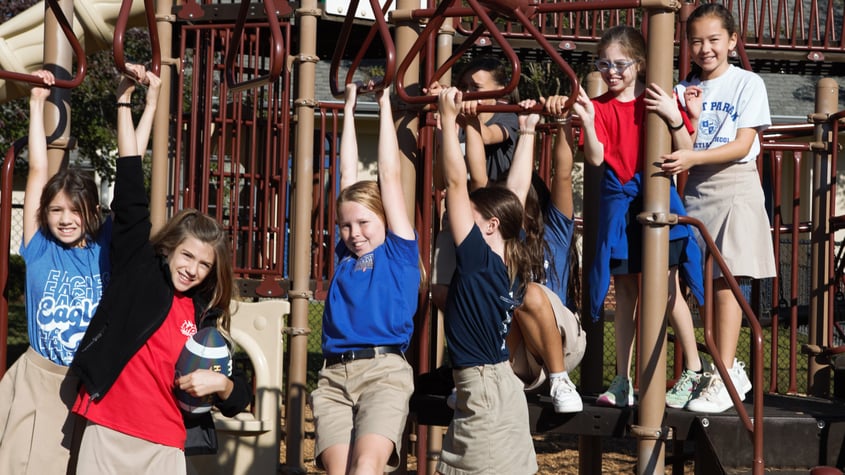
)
(677, 127)
(527, 132)
(124, 104)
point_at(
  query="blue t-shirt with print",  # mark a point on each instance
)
(480, 305)
(558, 234)
(63, 289)
(372, 299)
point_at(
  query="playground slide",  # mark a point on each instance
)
(22, 37)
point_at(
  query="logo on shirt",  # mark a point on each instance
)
(364, 263)
(65, 309)
(188, 328)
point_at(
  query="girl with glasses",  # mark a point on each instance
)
(611, 134)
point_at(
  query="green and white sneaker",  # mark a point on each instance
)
(619, 394)
(683, 390)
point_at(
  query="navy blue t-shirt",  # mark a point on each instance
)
(479, 309)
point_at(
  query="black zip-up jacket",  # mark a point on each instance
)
(138, 297)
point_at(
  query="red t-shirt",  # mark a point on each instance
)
(141, 401)
(619, 128)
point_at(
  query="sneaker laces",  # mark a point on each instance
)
(686, 382)
(713, 387)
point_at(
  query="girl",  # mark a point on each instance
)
(612, 129)
(546, 339)
(361, 401)
(63, 239)
(161, 290)
(728, 107)
(489, 432)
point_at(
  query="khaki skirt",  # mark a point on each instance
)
(728, 199)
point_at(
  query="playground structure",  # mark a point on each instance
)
(230, 154)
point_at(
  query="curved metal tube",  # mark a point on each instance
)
(277, 48)
(379, 26)
(120, 31)
(78, 50)
(5, 238)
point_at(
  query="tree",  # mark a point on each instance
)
(94, 116)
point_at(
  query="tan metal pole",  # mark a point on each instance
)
(58, 58)
(590, 447)
(407, 124)
(651, 436)
(159, 188)
(300, 292)
(827, 102)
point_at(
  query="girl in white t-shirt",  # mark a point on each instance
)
(728, 107)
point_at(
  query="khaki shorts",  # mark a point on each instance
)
(36, 425)
(530, 369)
(362, 397)
(107, 451)
(489, 432)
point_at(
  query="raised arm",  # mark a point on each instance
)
(145, 124)
(38, 173)
(454, 168)
(349, 140)
(593, 148)
(132, 141)
(390, 171)
(562, 158)
(522, 166)
(476, 155)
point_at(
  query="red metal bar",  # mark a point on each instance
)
(120, 31)
(78, 50)
(273, 9)
(5, 239)
(380, 27)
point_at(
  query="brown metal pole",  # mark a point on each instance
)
(58, 58)
(300, 292)
(651, 445)
(159, 188)
(592, 371)
(818, 376)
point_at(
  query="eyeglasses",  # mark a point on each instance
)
(605, 66)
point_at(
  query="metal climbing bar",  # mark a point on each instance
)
(76, 46)
(5, 239)
(487, 12)
(380, 27)
(120, 31)
(273, 9)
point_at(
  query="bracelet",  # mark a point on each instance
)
(677, 127)
(527, 132)
(124, 104)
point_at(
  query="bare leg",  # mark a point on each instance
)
(624, 322)
(370, 454)
(681, 320)
(728, 322)
(537, 326)
(335, 459)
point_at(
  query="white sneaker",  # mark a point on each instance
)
(713, 398)
(740, 379)
(452, 399)
(565, 397)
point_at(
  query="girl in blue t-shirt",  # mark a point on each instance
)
(489, 431)
(361, 401)
(64, 237)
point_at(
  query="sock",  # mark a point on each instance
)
(562, 374)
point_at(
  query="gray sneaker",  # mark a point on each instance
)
(619, 394)
(565, 397)
(682, 391)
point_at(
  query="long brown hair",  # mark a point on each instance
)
(218, 285)
(82, 192)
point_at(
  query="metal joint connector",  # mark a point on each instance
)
(306, 58)
(296, 331)
(300, 294)
(168, 18)
(657, 219)
(651, 433)
(673, 5)
(305, 102)
(309, 12)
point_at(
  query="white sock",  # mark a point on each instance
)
(562, 374)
